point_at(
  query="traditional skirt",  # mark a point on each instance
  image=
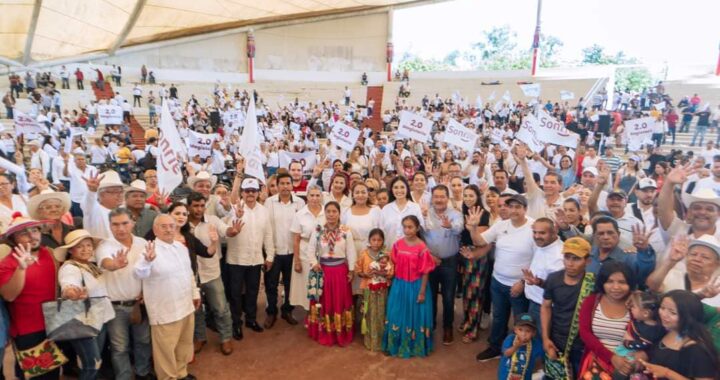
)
(408, 326)
(373, 317)
(331, 320)
(474, 274)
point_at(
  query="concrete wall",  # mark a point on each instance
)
(346, 44)
(219, 54)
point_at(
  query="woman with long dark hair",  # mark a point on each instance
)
(687, 350)
(399, 207)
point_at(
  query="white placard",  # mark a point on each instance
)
(496, 135)
(233, 116)
(528, 133)
(553, 131)
(594, 118)
(344, 136)
(567, 95)
(531, 90)
(456, 134)
(200, 144)
(414, 127)
(73, 132)
(660, 106)
(110, 115)
(27, 125)
(307, 159)
(639, 132)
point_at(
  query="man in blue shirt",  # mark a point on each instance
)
(443, 226)
(606, 237)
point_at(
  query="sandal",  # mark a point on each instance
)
(468, 338)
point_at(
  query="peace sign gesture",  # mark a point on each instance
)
(239, 208)
(24, 256)
(93, 183)
(678, 248)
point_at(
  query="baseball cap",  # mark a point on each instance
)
(525, 319)
(647, 183)
(591, 170)
(577, 246)
(617, 193)
(517, 198)
(250, 184)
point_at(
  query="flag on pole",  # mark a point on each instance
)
(171, 151)
(250, 144)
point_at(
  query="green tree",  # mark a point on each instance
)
(633, 78)
(413, 62)
(596, 55)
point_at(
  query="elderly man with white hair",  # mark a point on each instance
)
(39, 159)
(105, 192)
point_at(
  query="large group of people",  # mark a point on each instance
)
(609, 266)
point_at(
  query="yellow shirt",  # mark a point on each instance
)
(362, 269)
(123, 155)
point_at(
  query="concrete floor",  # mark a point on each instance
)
(286, 352)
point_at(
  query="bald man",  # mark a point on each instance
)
(171, 297)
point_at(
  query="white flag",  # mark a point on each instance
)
(506, 96)
(250, 144)
(478, 102)
(27, 125)
(492, 96)
(169, 159)
(531, 90)
(307, 159)
(567, 95)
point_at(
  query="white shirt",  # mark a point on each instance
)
(70, 275)
(281, 217)
(708, 183)
(545, 260)
(538, 206)
(361, 225)
(78, 187)
(40, 160)
(167, 282)
(58, 167)
(304, 223)
(246, 247)
(392, 220)
(513, 249)
(208, 267)
(121, 284)
(95, 216)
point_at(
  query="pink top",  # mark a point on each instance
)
(411, 261)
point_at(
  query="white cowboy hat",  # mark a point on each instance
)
(706, 195)
(136, 185)
(35, 201)
(202, 176)
(72, 239)
(111, 179)
(709, 241)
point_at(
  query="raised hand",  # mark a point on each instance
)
(530, 278)
(641, 236)
(467, 252)
(240, 165)
(679, 248)
(120, 259)
(711, 289)
(213, 233)
(424, 208)
(428, 164)
(679, 174)
(561, 219)
(239, 208)
(149, 251)
(445, 221)
(520, 152)
(604, 176)
(93, 183)
(237, 225)
(474, 215)
(24, 256)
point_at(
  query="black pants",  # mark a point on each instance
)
(283, 264)
(136, 100)
(443, 280)
(80, 85)
(27, 341)
(245, 280)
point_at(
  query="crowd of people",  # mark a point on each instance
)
(608, 265)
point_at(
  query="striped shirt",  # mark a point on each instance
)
(609, 331)
(613, 163)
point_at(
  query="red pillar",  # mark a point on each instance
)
(250, 55)
(389, 58)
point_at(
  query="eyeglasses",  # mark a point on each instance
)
(371, 190)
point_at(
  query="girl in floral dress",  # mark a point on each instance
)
(375, 270)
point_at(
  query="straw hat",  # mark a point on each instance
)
(35, 201)
(19, 223)
(202, 176)
(111, 179)
(709, 241)
(136, 185)
(706, 195)
(72, 239)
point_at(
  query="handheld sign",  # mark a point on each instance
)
(456, 134)
(529, 134)
(414, 127)
(344, 136)
(108, 114)
(200, 144)
(552, 131)
(639, 132)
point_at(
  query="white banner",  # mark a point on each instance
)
(531, 90)
(567, 95)
(528, 133)
(200, 144)
(233, 116)
(552, 131)
(250, 144)
(639, 132)
(344, 136)
(414, 127)
(169, 161)
(307, 159)
(108, 114)
(456, 134)
(27, 125)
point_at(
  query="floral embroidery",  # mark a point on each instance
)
(40, 359)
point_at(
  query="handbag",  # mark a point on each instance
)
(315, 279)
(41, 359)
(75, 319)
(560, 368)
(594, 369)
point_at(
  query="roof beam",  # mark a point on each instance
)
(31, 31)
(11, 62)
(139, 6)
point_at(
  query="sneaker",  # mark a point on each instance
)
(490, 353)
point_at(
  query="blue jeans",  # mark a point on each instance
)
(76, 210)
(534, 311)
(699, 130)
(88, 351)
(502, 304)
(120, 331)
(214, 293)
(443, 280)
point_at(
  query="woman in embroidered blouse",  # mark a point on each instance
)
(331, 252)
(303, 225)
(604, 316)
(80, 278)
(409, 317)
(399, 207)
(361, 218)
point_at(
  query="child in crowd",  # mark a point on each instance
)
(521, 350)
(375, 270)
(644, 329)
(408, 330)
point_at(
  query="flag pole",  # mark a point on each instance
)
(536, 40)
